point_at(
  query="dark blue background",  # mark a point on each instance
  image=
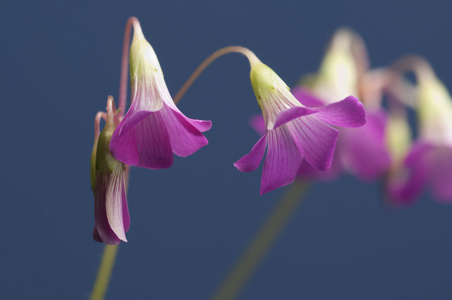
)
(58, 63)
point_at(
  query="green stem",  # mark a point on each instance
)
(261, 243)
(104, 274)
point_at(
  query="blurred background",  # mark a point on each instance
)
(58, 63)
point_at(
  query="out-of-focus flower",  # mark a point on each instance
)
(429, 162)
(364, 151)
(398, 139)
(337, 77)
(360, 151)
(154, 127)
(111, 213)
(294, 131)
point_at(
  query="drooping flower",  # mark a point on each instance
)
(398, 139)
(111, 213)
(294, 131)
(154, 127)
(337, 76)
(429, 161)
(360, 151)
(364, 152)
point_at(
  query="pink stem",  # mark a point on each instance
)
(124, 64)
(415, 63)
(99, 115)
(237, 49)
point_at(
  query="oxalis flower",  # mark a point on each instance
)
(293, 131)
(111, 213)
(360, 151)
(429, 161)
(154, 127)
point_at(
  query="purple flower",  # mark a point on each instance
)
(429, 161)
(362, 151)
(293, 131)
(154, 127)
(111, 214)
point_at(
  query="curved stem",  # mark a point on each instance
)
(378, 81)
(99, 115)
(124, 63)
(236, 49)
(261, 243)
(416, 64)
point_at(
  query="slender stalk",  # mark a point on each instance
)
(260, 245)
(109, 255)
(125, 62)
(99, 115)
(415, 63)
(103, 276)
(236, 49)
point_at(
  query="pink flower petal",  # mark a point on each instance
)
(407, 187)
(103, 198)
(364, 149)
(252, 160)
(146, 95)
(201, 125)
(290, 114)
(306, 171)
(282, 161)
(185, 138)
(346, 113)
(316, 140)
(96, 235)
(116, 205)
(440, 171)
(142, 140)
(257, 123)
(306, 98)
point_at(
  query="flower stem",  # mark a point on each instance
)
(415, 63)
(99, 115)
(104, 274)
(236, 49)
(261, 243)
(125, 62)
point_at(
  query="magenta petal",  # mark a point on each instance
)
(316, 140)
(306, 98)
(406, 189)
(440, 171)
(201, 125)
(252, 160)
(142, 140)
(116, 205)
(290, 114)
(185, 138)
(110, 209)
(257, 123)
(282, 161)
(307, 171)
(365, 157)
(103, 230)
(96, 235)
(364, 149)
(405, 192)
(346, 113)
